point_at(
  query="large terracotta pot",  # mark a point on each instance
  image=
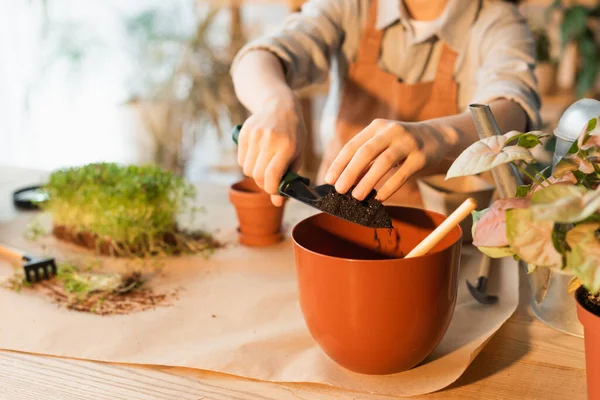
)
(591, 334)
(369, 310)
(259, 220)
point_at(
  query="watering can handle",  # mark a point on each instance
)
(289, 177)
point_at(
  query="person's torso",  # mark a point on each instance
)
(415, 62)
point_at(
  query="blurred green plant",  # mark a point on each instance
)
(132, 209)
(577, 27)
(187, 74)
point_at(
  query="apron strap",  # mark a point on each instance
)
(369, 47)
(446, 64)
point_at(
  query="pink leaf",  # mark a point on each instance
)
(490, 230)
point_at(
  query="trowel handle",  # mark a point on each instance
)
(289, 177)
(484, 266)
(12, 254)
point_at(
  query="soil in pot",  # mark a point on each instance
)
(589, 302)
(369, 212)
(588, 311)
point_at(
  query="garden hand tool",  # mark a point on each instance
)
(507, 180)
(299, 188)
(35, 269)
(453, 220)
(479, 290)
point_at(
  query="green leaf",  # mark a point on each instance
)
(584, 258)
(531, 268)
(587, 76)
(527, 140)
(574, 23)
(496, 252)
(559, 240)
(486, 154)
(564, 203)
(523, 190)
(530, 140)
(531, 239)
(591, 125)
(573, 149)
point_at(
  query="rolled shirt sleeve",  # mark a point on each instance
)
(507, 47)
(307, 40)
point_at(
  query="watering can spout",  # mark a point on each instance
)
(506, 176)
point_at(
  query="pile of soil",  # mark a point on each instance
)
(369, 212)
(137, 300)
(589, 301)
(173, 243)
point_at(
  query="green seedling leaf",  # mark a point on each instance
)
(523, 190)
(526, 140)
(564, 203)
(490, 230)
(584, 258)
(486, 154)
(531, 239)
(573, 149)
(496, 252)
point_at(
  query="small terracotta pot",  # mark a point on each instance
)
(545, 74)
(591, 334)
(259, 220)
(369, 310)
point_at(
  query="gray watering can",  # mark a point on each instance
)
(551, 303)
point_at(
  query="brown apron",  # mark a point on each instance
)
(371, 93)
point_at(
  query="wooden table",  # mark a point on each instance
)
(524, 360)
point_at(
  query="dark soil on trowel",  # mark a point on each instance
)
(369, 212)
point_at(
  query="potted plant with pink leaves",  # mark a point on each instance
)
(552, 222)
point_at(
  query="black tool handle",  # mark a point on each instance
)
(24, 203)
(289, 177)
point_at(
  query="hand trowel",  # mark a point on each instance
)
(383, 241)
(298, 187)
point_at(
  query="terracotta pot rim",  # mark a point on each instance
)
(378, 262)
(584, 312)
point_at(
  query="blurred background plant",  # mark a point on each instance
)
(182, 84)
(178, 88)
(580, 27)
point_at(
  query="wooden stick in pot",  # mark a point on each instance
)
(462, 212)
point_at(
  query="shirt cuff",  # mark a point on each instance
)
(528, 100)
